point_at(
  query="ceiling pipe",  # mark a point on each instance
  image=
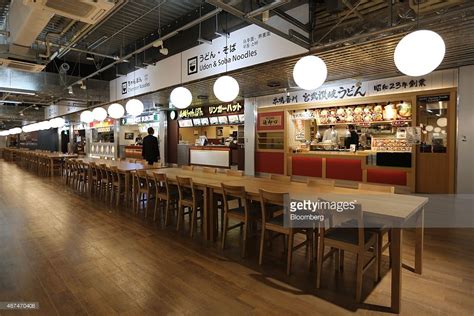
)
(241, 15)
(267, 7)
(427, 20)
(150, 45)
(87, 29)
(129, 24)
(77, 50)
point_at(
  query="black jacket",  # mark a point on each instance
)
(150, 150)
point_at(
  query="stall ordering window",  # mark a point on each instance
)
(433, 120)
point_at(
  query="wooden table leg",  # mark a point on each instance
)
(207, 212)
(396, 245)
(419, 232)
(127, 189)
(51, 163)
(89, 176)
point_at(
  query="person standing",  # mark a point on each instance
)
(150, 150)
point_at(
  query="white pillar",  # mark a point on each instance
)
(162, 134)
(250, 116)
(465, 131)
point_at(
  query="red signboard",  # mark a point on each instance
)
(271, 121)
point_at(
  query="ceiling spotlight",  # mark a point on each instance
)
(157, 43)
(36, 107)
(83, 85)
(69, 89)
(21, 114)
(89, 57)
(164, 51)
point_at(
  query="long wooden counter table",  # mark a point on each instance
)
(394, 209)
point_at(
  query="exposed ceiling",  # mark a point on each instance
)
(356, 38)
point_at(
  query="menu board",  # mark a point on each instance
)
(241, 118)
(233, 119)
(185, 123)
(391, 145)
(214, 120)
(197, 122)
(361, 114)
(205, 121)
(223, 120)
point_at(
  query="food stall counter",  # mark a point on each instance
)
(214, 156)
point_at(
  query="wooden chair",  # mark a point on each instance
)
(314, 182)
(354, 239)
(82, 176)
(105, 181)
(279, 177)
(165, 193)
(173, 165)
(272, 205)
(95, 180)
(376, 187)
(377, 227)
(145, 189)
(189, 168)
(117, 185)
(190, 198)
(209, 170)
(235, 173)
(237, 206)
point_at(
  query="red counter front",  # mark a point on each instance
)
(270, 162)
(307, 166)
(344, 169)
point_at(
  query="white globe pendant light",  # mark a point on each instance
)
(134, 107)
(419, 53)
(226, 89)
(310, 72)
(116, 110)
(100, 114)
(181, 97)
(87, 117)
(57, 122)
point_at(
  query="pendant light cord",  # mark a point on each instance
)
(418, 16)
(226, 41)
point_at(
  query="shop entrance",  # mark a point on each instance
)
(435, 156)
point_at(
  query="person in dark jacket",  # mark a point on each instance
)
(150, 150)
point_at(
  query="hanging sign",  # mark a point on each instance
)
(153, 117)
(230, 108)
(246, 47)
(436, 80)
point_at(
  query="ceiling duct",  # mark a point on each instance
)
(87, 11)
(21, 65)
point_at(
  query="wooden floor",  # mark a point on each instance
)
(77, 256)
